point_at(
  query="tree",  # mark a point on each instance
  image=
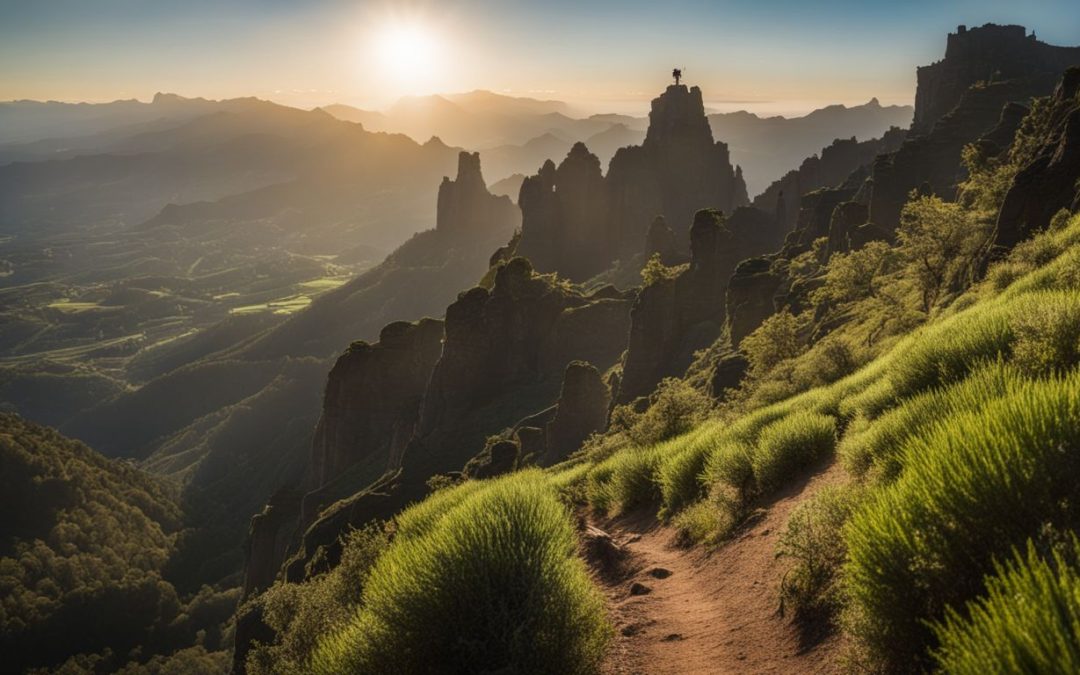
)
(939, 242)
(858, 274)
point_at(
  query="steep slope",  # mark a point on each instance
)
(84, 558)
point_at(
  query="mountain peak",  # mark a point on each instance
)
(678, 115)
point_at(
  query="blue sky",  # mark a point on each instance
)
(782, 56)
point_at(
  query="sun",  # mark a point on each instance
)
(408, 51)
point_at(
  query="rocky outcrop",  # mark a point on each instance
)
(524, 331)
(497, 457)
(959, 100)
(934, 159)
(986, 53)
(675, 317)
(268, 540)
(661, 241)
(833, 167)
(565, 214)
(577, 222)
(371, 405)
(678, 170)
(1051, 181)
(465, 207)
(751, 296)
(581, 411)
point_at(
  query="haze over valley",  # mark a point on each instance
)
(410, 338)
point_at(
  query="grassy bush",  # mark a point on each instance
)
(674, 409)
(626, 480)
(418, 519)
(814, 541)
(1029, 621)
(1048, 334)
(876, 446)
(679, 471)
(300, 614)
(790, 445)
(975, 486)
(731, 465)
(493, 585)
(947, 351)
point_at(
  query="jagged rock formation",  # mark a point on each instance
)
(985, 54)
(661, 240)
(565, 213)
(750, 297)
(674, 317)
(581, 411)
(835, 165)
(503, 356)
(496, 339)
(268, 540)
(370, 405)
(494, 460)
(933, 159)
(466, 207)
(577, 222)
(678, 170)
(972, 96)
(1052, 181)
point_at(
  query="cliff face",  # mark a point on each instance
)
(523, 332)
(679, 166)
(1052, 180)
(372, 400)
(565, 212)
(834, 166)
(503, 357)
(672, 318)
(465, 207)
(932, 161)
(985, 54)
(576, 221)
(959, 100)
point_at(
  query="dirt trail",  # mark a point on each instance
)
(716, 612)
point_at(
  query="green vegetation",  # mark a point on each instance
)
(493, 584)
(85, 559)
(1039, 634)
(300, 615)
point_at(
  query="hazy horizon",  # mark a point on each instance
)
(613, 57)
(765, 108)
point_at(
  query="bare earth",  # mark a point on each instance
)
(718, 611)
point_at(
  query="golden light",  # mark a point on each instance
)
(408, 52)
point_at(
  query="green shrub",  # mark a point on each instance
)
(878, 444)
(674, 409)
(731, 464)
(1048, 334)
(972, 488)
(418, 519)
(813, 539)
(300, 614)
(1029, 621)
(790, 445)
(493, 585)
(949, 350)
(679, 472)
(706, 522)
(774, 341)
(626, 480)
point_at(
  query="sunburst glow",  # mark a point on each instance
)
(410, 52)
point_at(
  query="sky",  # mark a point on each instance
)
(783, 57)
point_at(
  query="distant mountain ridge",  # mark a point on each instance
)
(516, 135)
